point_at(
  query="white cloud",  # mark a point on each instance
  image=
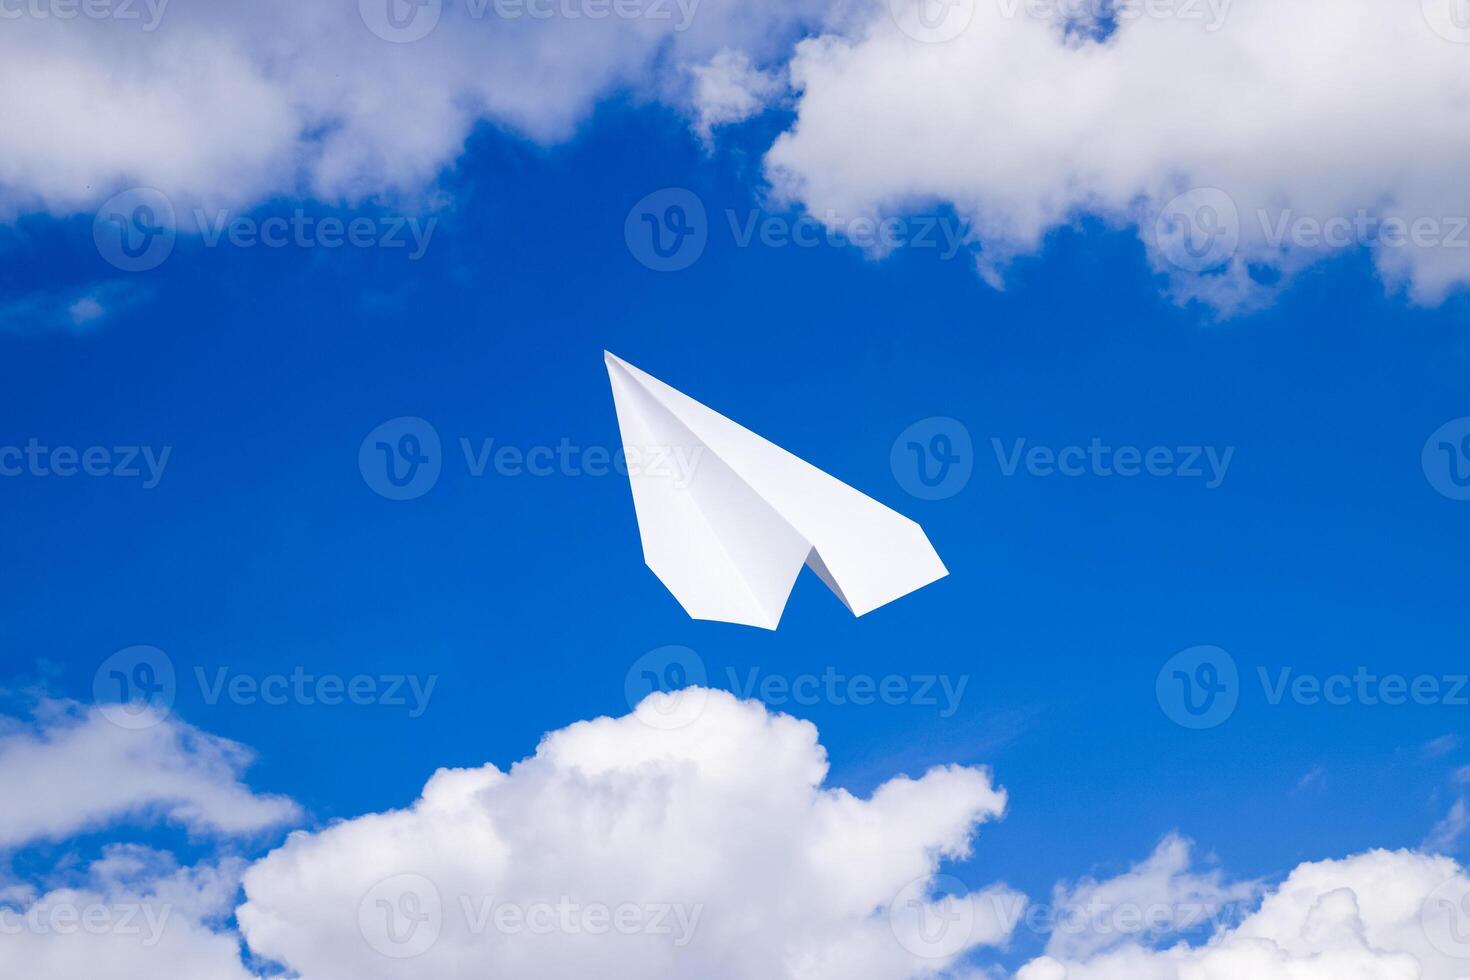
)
(88, 772)
(1296, 131)
(711, 850)
(729, 89)
(137, 916)
(1377, 916)
(1155, 898)
(224, 104)
(723, 825)
(75, 310)
(1313, 109)
(1446, 835)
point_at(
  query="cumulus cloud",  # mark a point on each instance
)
(89, 772)
(1244, 140)
(694, 837)
(1377, 916)
(1294, 131)
(224, 104)
(729, 89)
(709, 850)
(135, 916)
(1155, 898)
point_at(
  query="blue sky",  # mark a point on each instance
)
(264, 549)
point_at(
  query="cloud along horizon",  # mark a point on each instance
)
(1022, 116)
(695, 835)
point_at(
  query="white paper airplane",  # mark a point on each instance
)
(728, 518)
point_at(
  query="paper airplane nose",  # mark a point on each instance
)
(728, 518)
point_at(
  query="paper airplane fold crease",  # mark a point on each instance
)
(728, 518)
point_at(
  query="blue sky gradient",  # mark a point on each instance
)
(263, 548)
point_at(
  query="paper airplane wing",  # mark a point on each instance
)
(728, 518)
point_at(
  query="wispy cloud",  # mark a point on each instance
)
(76, 310)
